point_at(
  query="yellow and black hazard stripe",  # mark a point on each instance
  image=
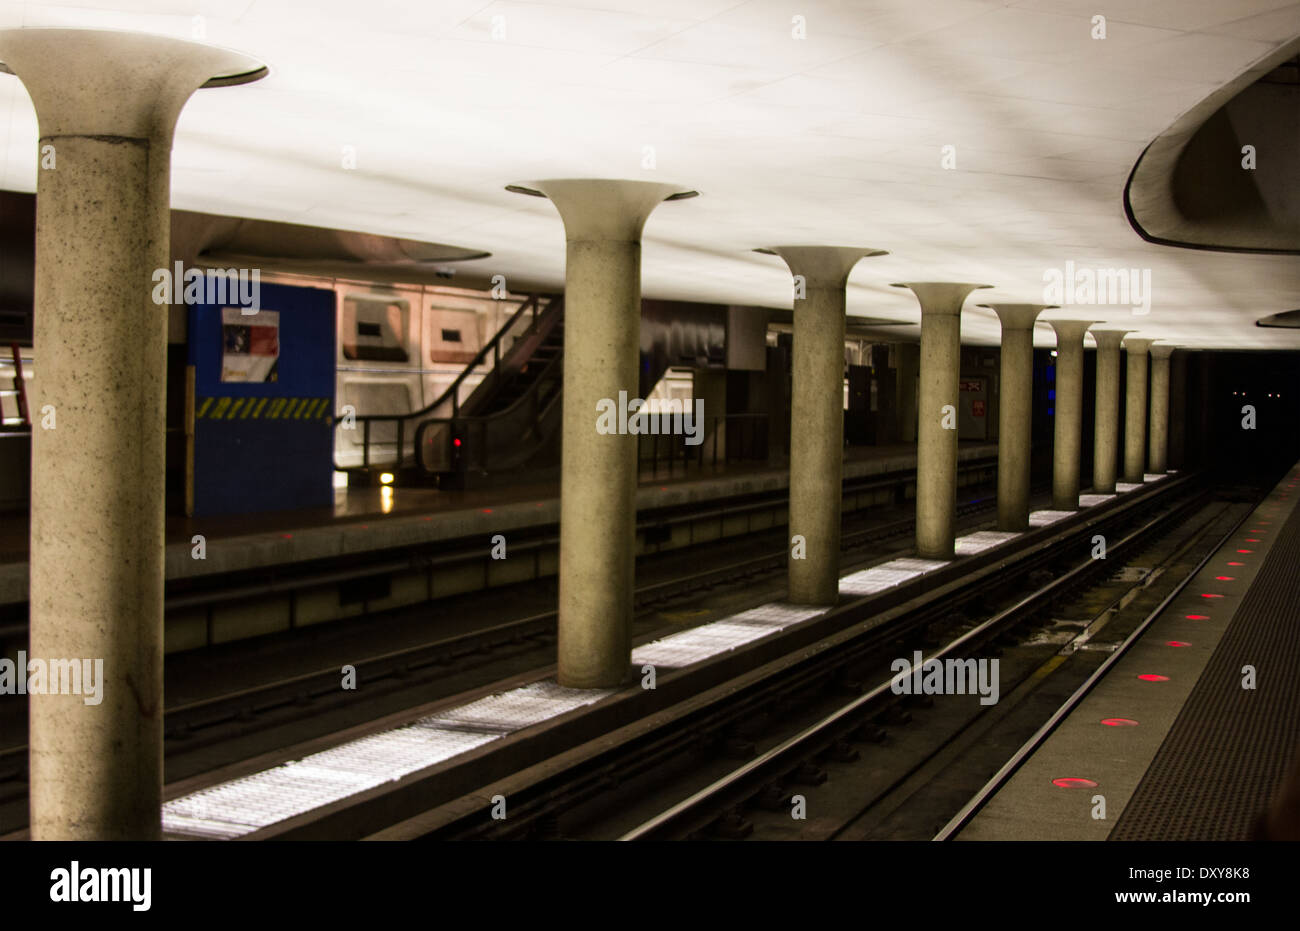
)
(262, 409)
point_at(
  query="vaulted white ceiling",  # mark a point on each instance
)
(836, 137)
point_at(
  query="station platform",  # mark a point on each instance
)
(365, 520)
(1191, 727)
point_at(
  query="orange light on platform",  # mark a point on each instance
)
(1119, 722)
(1073, 782)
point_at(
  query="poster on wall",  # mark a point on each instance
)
(250, 345)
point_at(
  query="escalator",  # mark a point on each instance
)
(509, 417)
(508, 428)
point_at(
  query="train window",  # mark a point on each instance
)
(375, 329)
(453, 334)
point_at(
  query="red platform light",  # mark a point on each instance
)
(1224, 578)
(1073, 782)
(1177, 643)
(287, 536)
(1119, 722)
(1198, 617)
(1210, 595)
(1251, 540)
(455, 441)
(1236, 564)
(487, 510)
(1152, 677)
(1245, 551)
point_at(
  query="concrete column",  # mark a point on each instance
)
(1105, 448)
(1068, 417)
(1135, 409)
(909, 366)
(936, 441)
(107, 103)
(1015, 398)
(817, 416)
(602, 323)
(1158, 433)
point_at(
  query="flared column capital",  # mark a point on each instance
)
(822, 266)
(1162, 350)
(1109, 339)
(603, 209)
(93, 82)
(1070, 331)
(1018, 316)
(940, 297)
(1137, 344)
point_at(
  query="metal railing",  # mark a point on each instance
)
(744, 439)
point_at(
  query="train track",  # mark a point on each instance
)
(977, 801)
(197, 724)
(720, 719)
(716, 809)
